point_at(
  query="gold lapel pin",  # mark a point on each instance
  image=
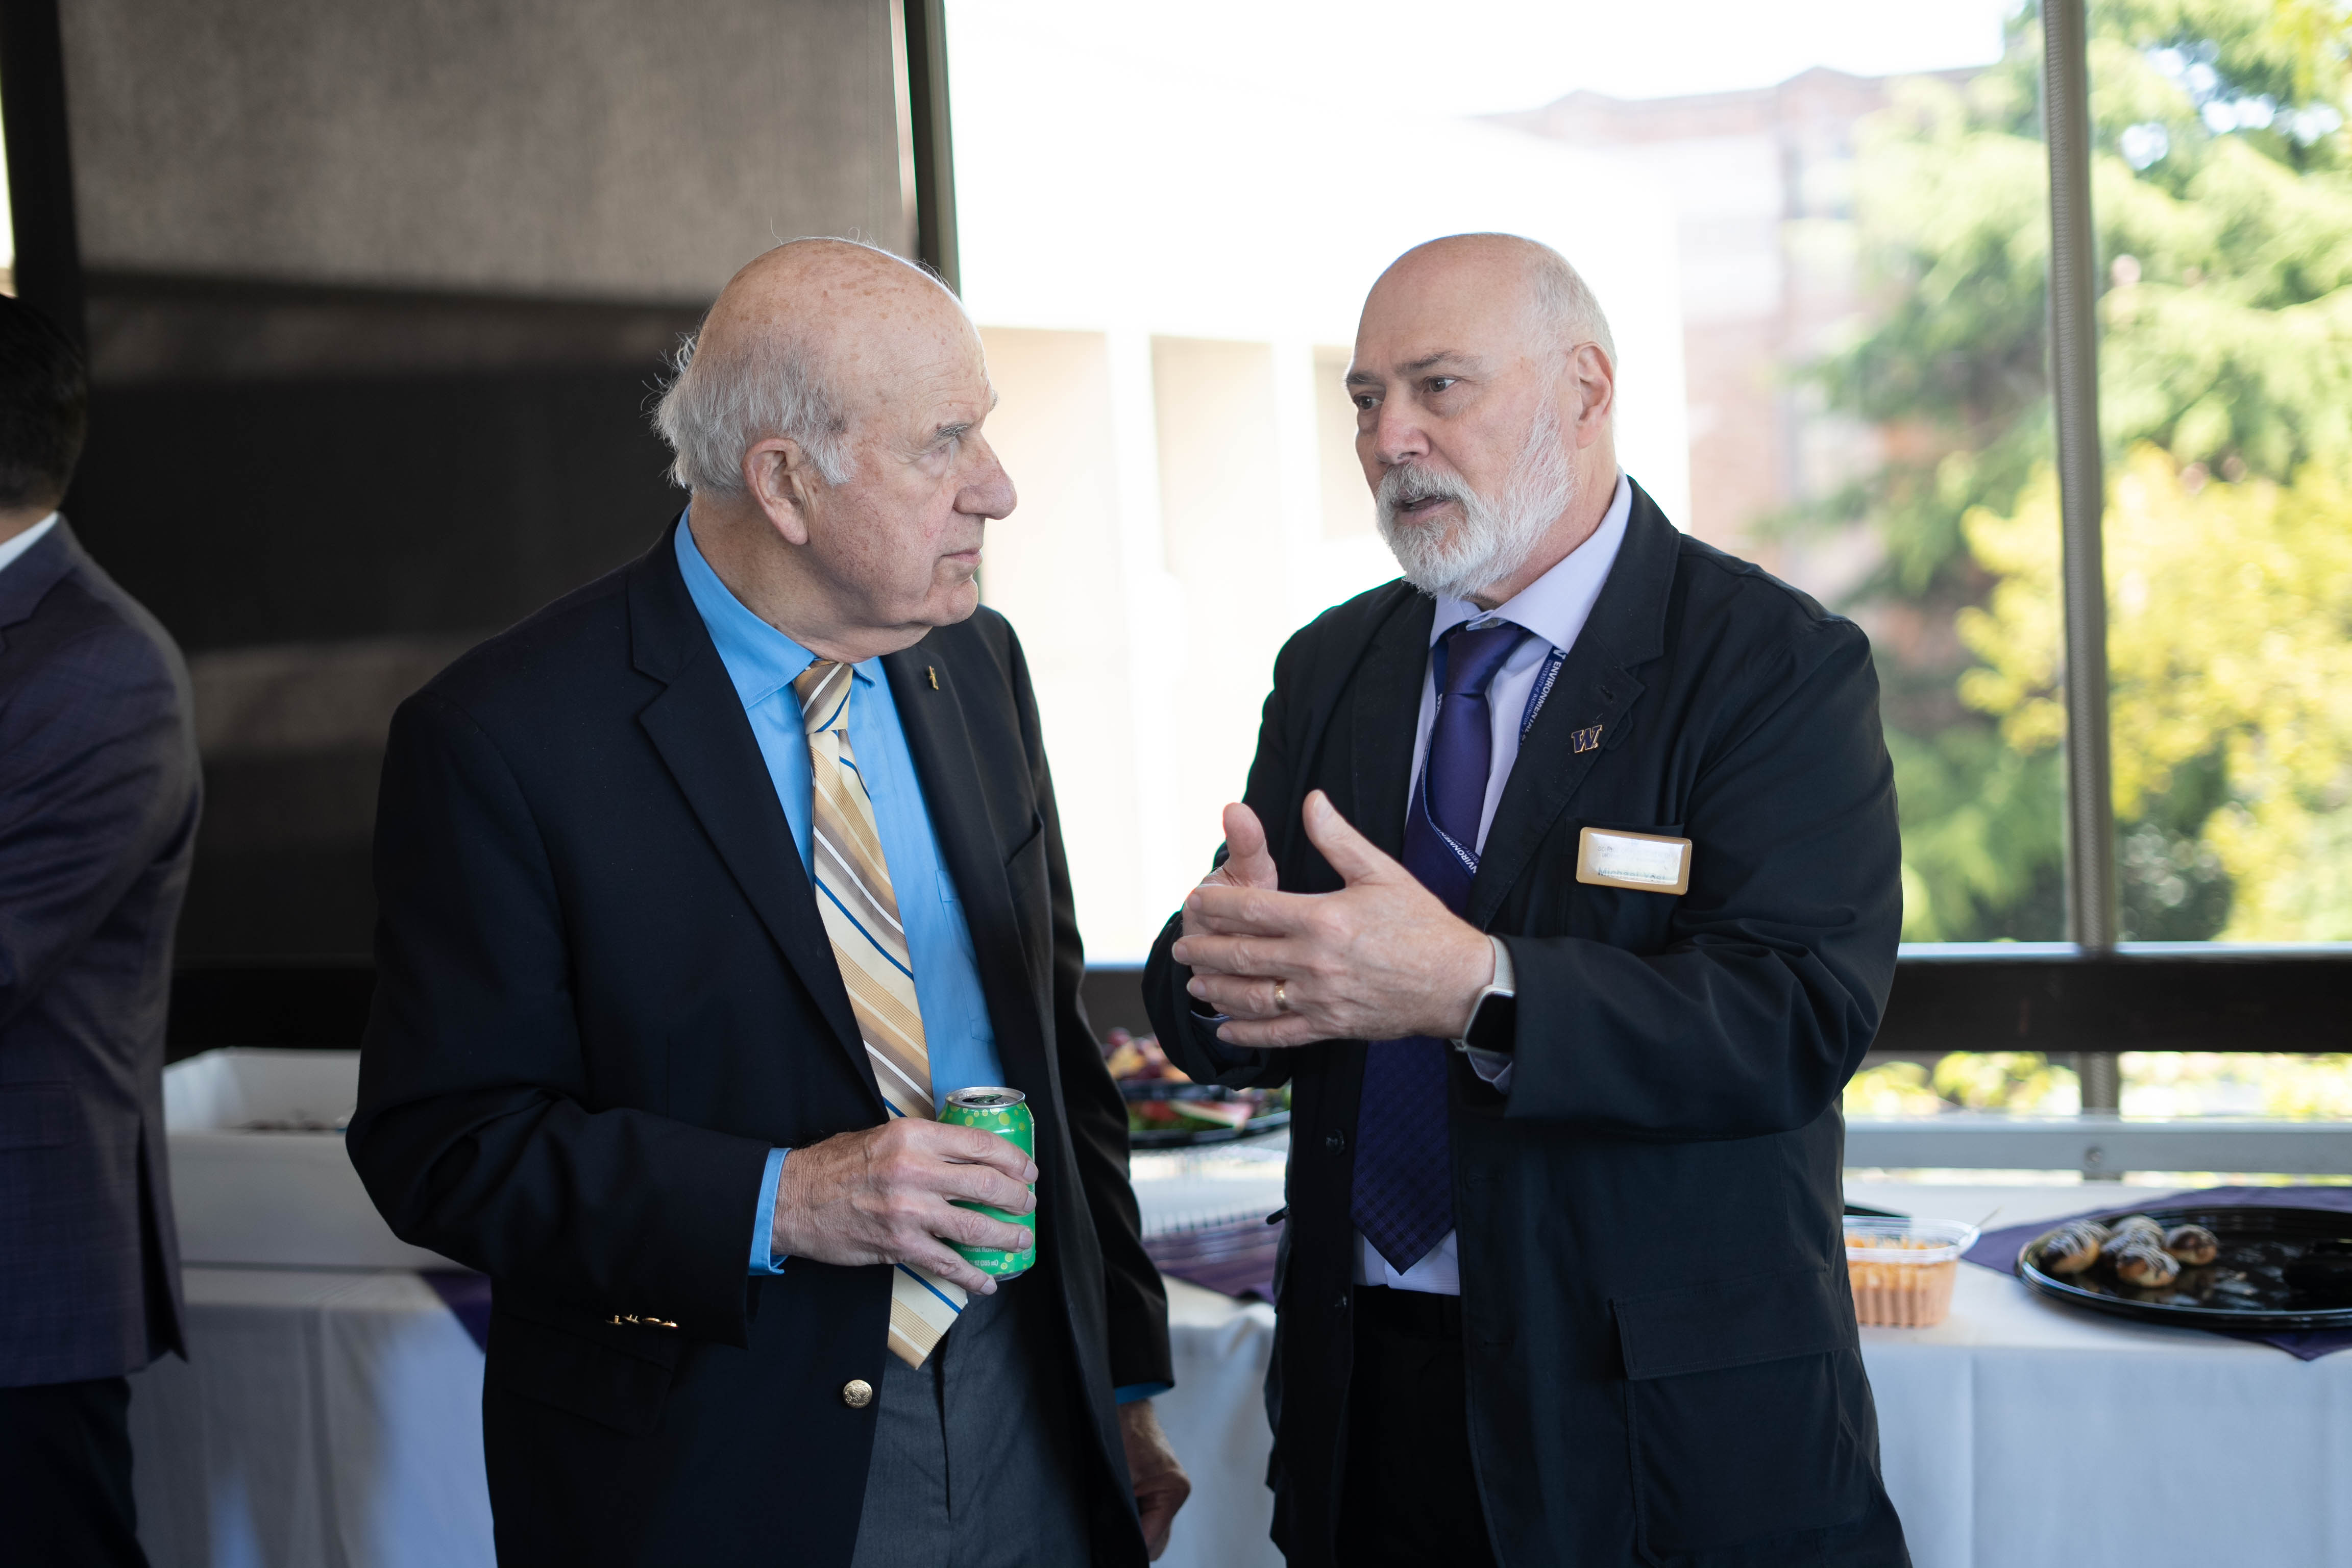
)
(934, 675)
(1586, 740)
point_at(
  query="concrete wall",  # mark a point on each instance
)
(1059, 568)
(378, 290)
(1217, 409)
(610, 148)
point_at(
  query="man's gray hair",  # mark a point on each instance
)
(1563, 298)
(717, 405)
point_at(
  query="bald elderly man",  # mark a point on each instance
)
(701, 890)
(1564, 894)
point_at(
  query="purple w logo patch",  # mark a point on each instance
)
(1586, 740)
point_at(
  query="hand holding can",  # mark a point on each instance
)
(1005, 1112)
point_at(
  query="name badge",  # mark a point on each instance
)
(1646, 862)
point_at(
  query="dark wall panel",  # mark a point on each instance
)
(245, 512)
(377, 299)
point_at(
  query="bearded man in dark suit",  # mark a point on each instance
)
(1564, 894)
(701, 890)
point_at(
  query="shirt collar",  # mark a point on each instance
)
(1556, 606)
(760, 659)
(10, 550)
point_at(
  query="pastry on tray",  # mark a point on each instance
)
(2192, 1243)
(2072, 1247)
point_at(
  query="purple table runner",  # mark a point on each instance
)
(1232, 1259)
(1998, 1249)
(467, 1294)
(1236, 1259)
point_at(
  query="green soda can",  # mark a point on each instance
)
(1005, 1112)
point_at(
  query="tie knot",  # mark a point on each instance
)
(824, 691)
(1472, 658)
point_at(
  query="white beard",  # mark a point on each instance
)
(1493, 540)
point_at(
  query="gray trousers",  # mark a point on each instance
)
(975, 1458)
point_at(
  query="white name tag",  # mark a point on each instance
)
(1607, 858)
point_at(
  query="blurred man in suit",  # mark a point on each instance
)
(1565, 895)
(700, 890)
(98, 791)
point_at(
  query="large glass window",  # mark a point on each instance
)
(1822, 233)
(1864, 299)
(1167, 228)
(2224, 215)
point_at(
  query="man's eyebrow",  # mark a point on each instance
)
(1415, 367)
(1431, 362)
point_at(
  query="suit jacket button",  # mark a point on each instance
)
(857, 1394)
(1335, 1140)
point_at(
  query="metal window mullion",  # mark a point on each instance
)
(2074, 394)
(925, 23)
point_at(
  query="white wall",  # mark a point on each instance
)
(1191, 255)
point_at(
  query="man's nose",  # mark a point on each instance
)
(1397, 436)
(988, 493)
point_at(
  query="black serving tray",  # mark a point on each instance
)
(2278, 1268)
(1192, 1137)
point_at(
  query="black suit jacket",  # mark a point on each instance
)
(605, 991)
(1660, 1341)
(99, 797)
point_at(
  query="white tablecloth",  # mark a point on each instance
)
(2016, 1434)
(325, 1419)
(2020, 1432)
(334, 1418)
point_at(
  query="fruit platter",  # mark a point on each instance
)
(1166, 1109)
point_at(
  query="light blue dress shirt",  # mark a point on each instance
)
(763, 663)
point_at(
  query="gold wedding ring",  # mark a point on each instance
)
(1281, 1001)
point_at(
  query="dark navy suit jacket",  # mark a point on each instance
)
(99, 797)
(603, 993)
(1658, 1336)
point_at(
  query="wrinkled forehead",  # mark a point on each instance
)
(918, 363)
(1467, 304)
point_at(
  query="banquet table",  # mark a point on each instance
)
(332, 1418)
(325, 1418)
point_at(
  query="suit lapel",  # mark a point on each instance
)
(699, 726)
(974, 852)
(1387, 699)
(1592, 688)
(1595, 687)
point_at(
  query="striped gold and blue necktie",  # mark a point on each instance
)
(861, 916)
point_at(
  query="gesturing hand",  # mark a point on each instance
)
(1246, 864)
(1380, 959)
(882, 1195)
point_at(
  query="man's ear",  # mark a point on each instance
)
(1596, 381)
(778, 475)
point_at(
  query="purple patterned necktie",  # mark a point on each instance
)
(1405, 1154)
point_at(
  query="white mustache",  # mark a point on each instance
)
(1493, 535)
(1409, 485)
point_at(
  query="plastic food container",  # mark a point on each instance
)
(1903, 1270)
